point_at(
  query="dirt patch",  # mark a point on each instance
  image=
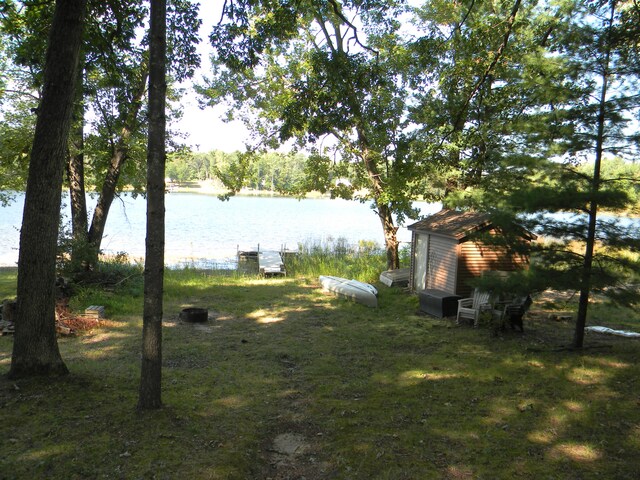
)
(289, 444)
(556, 297)
(293, 450)
(292, 456)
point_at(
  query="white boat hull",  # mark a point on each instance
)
(360, 292)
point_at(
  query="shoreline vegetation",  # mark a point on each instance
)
(211, 187)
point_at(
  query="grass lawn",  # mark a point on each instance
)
(8, 282)
(286, 382)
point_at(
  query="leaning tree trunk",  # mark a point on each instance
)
(114, 169)
(100, 213)
(75, 177)
(151, 371)
(35, 349)
(389, 229)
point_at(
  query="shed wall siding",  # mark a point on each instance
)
(476, 258)
(442, 263)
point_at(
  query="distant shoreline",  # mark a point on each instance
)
(204, 187)
(209, 187)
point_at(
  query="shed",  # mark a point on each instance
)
(446, 253)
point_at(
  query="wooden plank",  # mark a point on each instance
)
(270, 263)
(94, 311)
(395, 278)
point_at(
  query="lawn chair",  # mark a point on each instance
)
(472, 307)
(514, 311)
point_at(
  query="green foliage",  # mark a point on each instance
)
(618, 177)
(114, 83)
(18, 98)
(26, 29)
(363, 262)
(17, 124)
(483, 93)
(73, 255)
(115, 283)
(276, 172)
(8, 279)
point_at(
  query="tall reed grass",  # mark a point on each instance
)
(363, 261)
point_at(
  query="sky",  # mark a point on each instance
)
(204, 127)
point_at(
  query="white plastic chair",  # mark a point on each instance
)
(472, 307)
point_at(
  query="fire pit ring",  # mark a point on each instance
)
(194, 315)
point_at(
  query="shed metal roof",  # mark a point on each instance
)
(452, 223)
(458, 225)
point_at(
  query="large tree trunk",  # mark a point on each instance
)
(77, 191)
(390, 236)
(35, 349)
(151, 371)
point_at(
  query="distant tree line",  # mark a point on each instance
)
(621, 174)
(272, 171)
(286, 173)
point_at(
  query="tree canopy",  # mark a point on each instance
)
(107, 145)
(323, 76)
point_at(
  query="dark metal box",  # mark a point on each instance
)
(438, 302)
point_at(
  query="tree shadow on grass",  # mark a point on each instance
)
(285, 381)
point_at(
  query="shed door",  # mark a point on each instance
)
(442, 264)
(420, 262)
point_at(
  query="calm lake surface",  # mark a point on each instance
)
(204, 230)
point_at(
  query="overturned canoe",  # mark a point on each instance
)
(352, 289)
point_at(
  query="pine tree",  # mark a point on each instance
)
(585, 64)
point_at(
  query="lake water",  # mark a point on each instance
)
(205, 230)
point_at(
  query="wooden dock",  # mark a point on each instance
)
(269, 262)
